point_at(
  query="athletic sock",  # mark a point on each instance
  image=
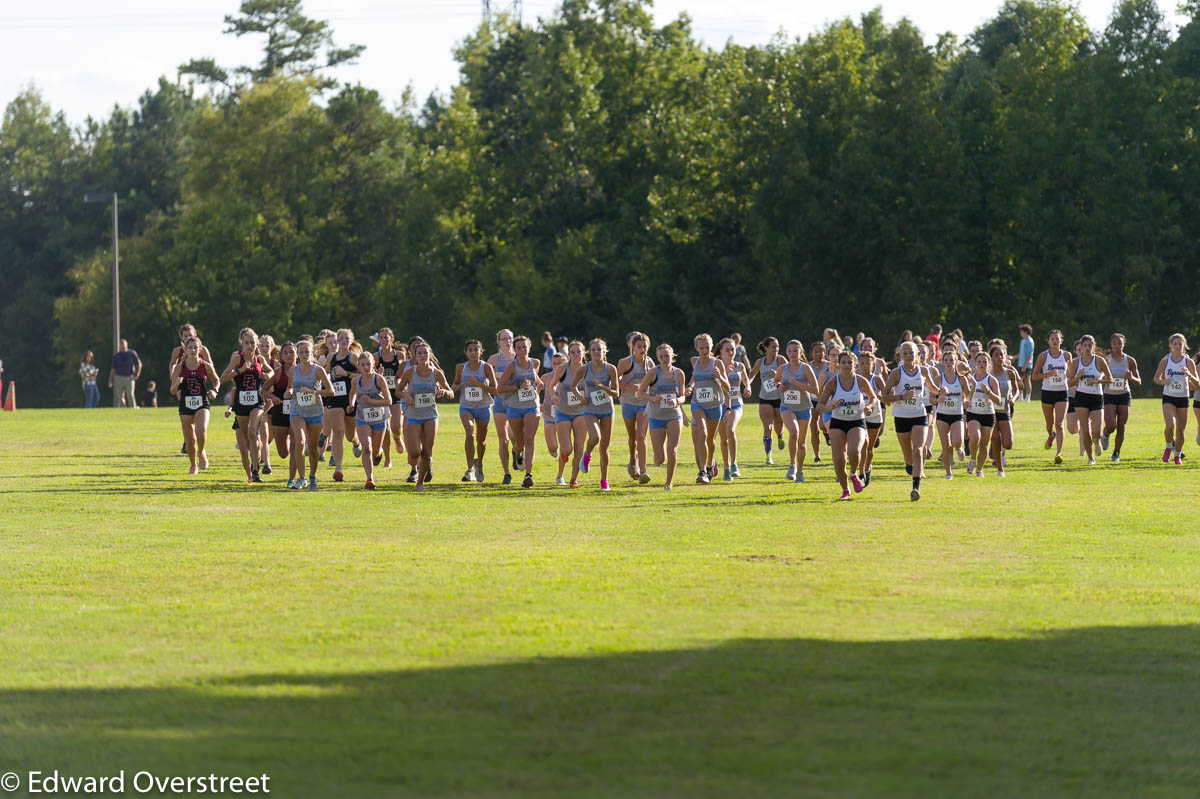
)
(767, 444)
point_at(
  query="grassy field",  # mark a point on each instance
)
(1032, 636)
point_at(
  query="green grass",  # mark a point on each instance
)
(1032, 636)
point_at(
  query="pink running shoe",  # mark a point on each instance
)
(1167, 455)
(854, 481)
(845, 494)
(603, 485)
(1178, 460)
(583, 464)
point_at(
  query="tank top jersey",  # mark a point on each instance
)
(705, 391)
(248, 384)
(1004, 385)
(952, 405)
(1088, 371)
(1055, 363)
(281, 380)
(876, 414)
(767, 388)
(909, 408)
(523, 399)
(927, 389)
(193, 394)
(305, 400)
(854, 400)
(635, 375)
(499, 367)
(735, 374)
(1120, 376)
(1176, 374)
(567, 402)
(366, 386)
(793, 399)
(981, 403)
(598, 400)
(391, 371)
(474, 397)
(664, 386)
(423, 407)
(341, 385)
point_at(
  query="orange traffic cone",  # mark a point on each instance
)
(10, 404)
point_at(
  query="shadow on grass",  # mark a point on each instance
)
(1089, 712)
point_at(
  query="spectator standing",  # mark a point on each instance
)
(548, 355)
(739, 351)
(88, 372)
(935, 337)
(150, 395)
(1025, 361)
(122, 377)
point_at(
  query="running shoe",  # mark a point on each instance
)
(321, 442)
(826, 438)
(1049, 442)
(735, 470)
(527, 482)
(1091, 461)
(357, 451)
(254, 478)
(1167, 455)
(291, 484)
(266, 469)
(332, 461)
(583, 464)
(428, 476)
(202, 462)
(791, 474)
(412, 475)
(816, 460)
(300, 484)
(867, 481)
(560, 481)
(1103, 441)
(666, 487)
(507, 480)
(478, 470)
(632, 469)
(183, 449)
(420, 487)
(782, 444)
(854, 481)
(728, 478)
(338, 476)
(603, 485)
(643, 478)
(1178, 459)
(312, 484)
(1000, 473)
(979, 473)
(971, 467)
(702, 478)
(1115, 458)
(378, 459)
(960, 455)
(770, 460)
(914, 495)
(574, 484)
(908, 468)
(845, 494)
(1057, 460)
(950, 476)
(468, 476)
(799, 475)
(369, 486)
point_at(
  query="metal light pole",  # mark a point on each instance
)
(96, 197)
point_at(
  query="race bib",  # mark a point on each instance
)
(473, 393)
(248, 397)
(951, 403)
(306, 397)
(768, 384)
(193, 402)
(339, 388)
(574, 399)
(979, 403)
(599, 397)
(666, 401)
(1118, 384)
(705, 395)
(423, 400)
(527, 394)
(1179, 386)
(374, 413)
(287, 407)
(915, 402)
(846, 411)
(792, 397)
(1056, 380)
(390, 380)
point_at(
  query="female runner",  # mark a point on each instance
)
(707, 388)
(1072, 421)
(849, 397)
(340, 364)
(1009, 382)
(307, 384)
(323, 345)
(597, 379)
(391, 365)
(874, 420)
(1088, 375)
(817, 356)
(662, 390)
(904, 390)
(1176, 373)
(1051, 369)
(797, 385)
(267, 349)
(189, 379)
(187, 331)
(248, 370)
(630, 371)
(425, 384)
(739, 387)
(279, 412)
(950, 392)
(981, 412)
(474, 382)
(500, 361)
(520, 386)
(768, 392)
(371, 399)
(1117, 395)
(570, 424)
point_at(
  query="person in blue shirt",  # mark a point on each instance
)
(1025, 362)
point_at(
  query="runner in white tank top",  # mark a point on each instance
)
(903, 392)
(1176, 373)
(1051, 369)
(849, 398)
(1118, 395)
(952, 392)
(1088, 375)
(981, 412)
(874, 420)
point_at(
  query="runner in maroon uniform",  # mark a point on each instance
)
(248, 371)
(188, 382)
(280, 408)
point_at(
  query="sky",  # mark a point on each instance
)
(86, 57)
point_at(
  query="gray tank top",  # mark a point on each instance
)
(664, 385)
(474, 397)
(424, 394)
(523, 399)
(369, 414)
(706, 393)
(592, 391)
(1120, 371)
(766, 377)
(634, 375)
(567, 402)
(735, 373)
(305, 400)
(793, 399)
(499, 368)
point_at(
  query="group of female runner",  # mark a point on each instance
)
(312, 396)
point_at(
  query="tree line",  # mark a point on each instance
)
(597, 173)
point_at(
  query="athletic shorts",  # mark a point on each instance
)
(1053, 397)
(605, 415)
(244, 410)
(1002, 416)
(846, 425)
(712, 414)
(949, 418)
(420, 421)
(774, 403)
(1070, 403)
(737, 407)
(480, 414)
(982, 419)
(498, 406)
(560, 417)
(874, 425)
(1118, 399)
(661, 424)
(631, 411)
(928, 410)
(373, 425)
(277, 417)
(1093, 402)
(825, 417)
(522, 413)
(905, 425)
(1178, 402)
(185, 411)
(309, 419)
(802, 416)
